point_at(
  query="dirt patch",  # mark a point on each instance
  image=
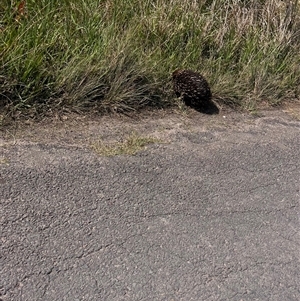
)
(163, 125)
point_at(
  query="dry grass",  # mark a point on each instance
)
(130, 146)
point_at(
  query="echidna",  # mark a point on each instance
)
(193, 88)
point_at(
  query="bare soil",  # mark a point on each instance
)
(165, 125)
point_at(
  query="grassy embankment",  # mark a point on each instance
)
(117, 55)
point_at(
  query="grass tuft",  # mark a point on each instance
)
(117, 55)
(130, 146)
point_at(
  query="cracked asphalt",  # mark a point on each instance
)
(211, 214)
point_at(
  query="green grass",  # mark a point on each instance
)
(117, 55)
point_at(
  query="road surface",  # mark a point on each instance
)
(211, 212)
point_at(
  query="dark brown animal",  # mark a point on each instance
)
(194, 90)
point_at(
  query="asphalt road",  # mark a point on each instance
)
(211, 215)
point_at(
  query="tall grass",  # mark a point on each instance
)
(117, 55)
